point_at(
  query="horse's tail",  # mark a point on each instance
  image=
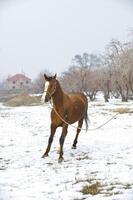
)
(86, 118)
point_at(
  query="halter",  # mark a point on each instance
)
(52, 93)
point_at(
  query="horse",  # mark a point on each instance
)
(68, 108)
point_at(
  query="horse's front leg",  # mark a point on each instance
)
(53, 129)
(62, 139)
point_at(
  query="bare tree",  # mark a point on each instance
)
(82, 76)
(119, 62)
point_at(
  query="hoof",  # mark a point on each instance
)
(74, 147)
(45, 155)
(60, 160)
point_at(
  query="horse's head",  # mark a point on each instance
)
(49, 89)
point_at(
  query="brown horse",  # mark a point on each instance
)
(70, 107)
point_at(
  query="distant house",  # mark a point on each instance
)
(18, 81)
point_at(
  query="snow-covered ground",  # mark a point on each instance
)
(104, 156)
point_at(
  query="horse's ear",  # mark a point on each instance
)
(54, 77)
(46, 78)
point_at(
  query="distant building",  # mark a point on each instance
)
(18, 81)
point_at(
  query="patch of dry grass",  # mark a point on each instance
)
(92, 189)
(98, 104)
(123, 110)
(86, 157)
(23, 100)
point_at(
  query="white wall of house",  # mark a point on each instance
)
(18, 84)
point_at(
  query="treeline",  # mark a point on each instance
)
(111, 73)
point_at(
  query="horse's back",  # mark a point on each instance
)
(78, 97)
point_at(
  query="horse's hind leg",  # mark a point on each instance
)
(80, 123)
(53, 129)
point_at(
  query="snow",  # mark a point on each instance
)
(103, 155)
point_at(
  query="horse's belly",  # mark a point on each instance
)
(77, 113)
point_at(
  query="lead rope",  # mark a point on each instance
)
(91, 129)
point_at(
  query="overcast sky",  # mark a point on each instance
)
(46, 34)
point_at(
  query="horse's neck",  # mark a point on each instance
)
(58, 96)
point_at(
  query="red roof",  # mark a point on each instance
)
(17, 77)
